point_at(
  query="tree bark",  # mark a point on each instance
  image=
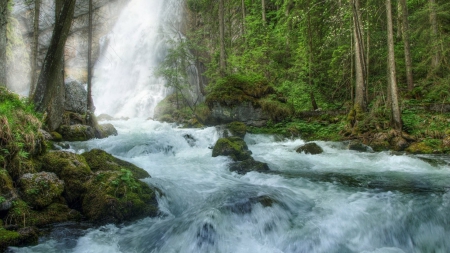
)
(263, 5)
(310, 44)
(406, 45)
(3, 41)
(35, 46)
(243, 16)
(436, 58)
(49, 86)
(223, 64)
(90, 103)
(360, 66)
(396, 116)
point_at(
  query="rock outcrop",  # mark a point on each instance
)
(310, 148)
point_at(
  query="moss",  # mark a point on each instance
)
(99, 160)
(238, 129)
(76, 132)
(234, 147)
(41, 189)
(72, 169)
(8, 238)
(56, 136)
(419, 148)
(6, 183)
(277, 110)
(114, 196)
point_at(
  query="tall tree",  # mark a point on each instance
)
(360, 102)
(223, 63)
(263, 9)
(3, 40)
(395, 109)
(310, 45)
(436, 55)
(90, 104)
(49, 85)
(406, 45)
(35, 46)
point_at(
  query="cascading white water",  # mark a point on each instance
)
(124, 84)
(340, 201)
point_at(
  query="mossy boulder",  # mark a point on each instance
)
(73, 170)
(248, 165)
(234, 147)
(114, 197)
(40, 189)
(419, 148)
(76, 132)
(358, 146)
(8, 238)
(104, 117)
(99, 160)
(106, 130)
(310, 148)
(7, 191)
(238, 129)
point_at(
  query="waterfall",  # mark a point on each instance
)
(124, 84)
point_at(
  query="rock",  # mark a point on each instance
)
(7, 191)
(399, 143)
(40, 189)
(104, 117)
(380, 142)
(56, 136)
(73, 170)
(114, 197)
(106, 130)
(47, 136)
(358, 146)
(248, 165)
(310, 148)
(189, 139)
(8, 238)
(419, 148)
(238, 129)
(99, 160)
(76, 97)
(77, 132)
(244, 112)
(446, 142)
(234, 147)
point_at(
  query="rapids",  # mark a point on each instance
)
(339, 201)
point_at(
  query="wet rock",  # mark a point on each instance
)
(99, 160)
(77, 132)
(245, 205)
(248, 165)
(206, 235)
(104, 117)
(190, 139)
(234, 147)
(75, 97)
(399, 143)
(243, 112)
(419, 148)
(47, 136)
(238, 129)
(310, 148)
(114, 197)
(106, 130)
(40, 189)
(7, 191)
(73, 170)
(358, 146)
(380, 142)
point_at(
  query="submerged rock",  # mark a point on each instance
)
(248, 165)
(310, 148)
(358, 146)
(99, 160)
(234, 147)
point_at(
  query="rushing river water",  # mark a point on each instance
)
(339, 201)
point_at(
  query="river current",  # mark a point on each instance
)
(339, 201)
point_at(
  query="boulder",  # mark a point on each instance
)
(117, 196)
(248, 165)
(77, 132)
(73, 170)
(7, 192)
(106, 130)
(244, 112)
(358, 146)
(104, 117)
(234, 147)
(41, 189)
(399, 143)
(76, 97)
(99, 160)
(310, 148)
(238, 129)
(419, 148)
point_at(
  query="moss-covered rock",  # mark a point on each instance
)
(238, 129)
(310, 148)
(104, 117)
(419, 148)
(8, 238)
(40, 189)
(234, 147)
(248, 165)
(56, 136)
(73, 170)
(106, 130)
(99, 160)
(76, 132)
(114, 197)
(7, 191)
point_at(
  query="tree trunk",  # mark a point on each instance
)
(223, 64)
(406, 45)
(263, 5)
(35, 46)
(396, 116)
(310, 44)
(243, 16)
(90, 103)
(436, 58)
(360, 67)
(3, 41)
(50, 87)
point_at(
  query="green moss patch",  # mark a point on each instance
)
(238, 129)
(99, 160)
(234, 147)
(40, 189)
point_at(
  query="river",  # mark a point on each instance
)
(339, 201)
